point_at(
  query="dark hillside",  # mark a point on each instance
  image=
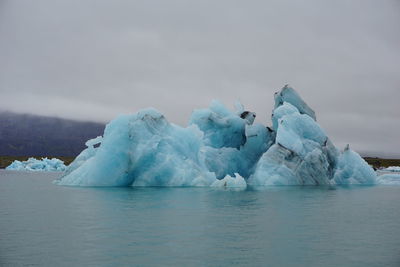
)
(379, 162)
(31, 135)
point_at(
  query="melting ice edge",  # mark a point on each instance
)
(218, 148)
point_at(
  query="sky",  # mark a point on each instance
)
(92, 60)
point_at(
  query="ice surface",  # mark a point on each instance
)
(297, 132)
(228, 161)
(302, 153)
(389, 176)
(143, 149)
(352, 169)
(219, 148)
(33, 164)
(289, 95)
(231, 182)
(392, 169)
(86, 154)
(221, 127)
(388, 179)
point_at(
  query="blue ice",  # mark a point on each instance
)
(218, 148)
(33, 164)
(389, 179)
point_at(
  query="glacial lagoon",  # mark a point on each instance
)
(43, 224)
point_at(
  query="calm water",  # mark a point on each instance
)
(42, 224)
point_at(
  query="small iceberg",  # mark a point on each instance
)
(389, 179)
(391, 169)
(33, 164)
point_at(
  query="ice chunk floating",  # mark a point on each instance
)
(219, 148)
(391, 169)
(33, 164)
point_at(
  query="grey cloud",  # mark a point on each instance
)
(95, 59)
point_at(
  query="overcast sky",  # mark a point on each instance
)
(91, 60)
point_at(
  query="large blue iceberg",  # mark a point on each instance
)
(33, 164)
(219, 148)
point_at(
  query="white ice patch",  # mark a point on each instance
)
(388, 179)
(392, 169)
(231, 182)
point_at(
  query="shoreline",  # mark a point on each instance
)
(7, 160)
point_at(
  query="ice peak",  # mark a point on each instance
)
(288, 94)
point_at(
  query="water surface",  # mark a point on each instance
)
(42, 224)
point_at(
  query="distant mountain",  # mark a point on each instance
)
(31, 135)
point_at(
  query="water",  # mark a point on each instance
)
(42, 224)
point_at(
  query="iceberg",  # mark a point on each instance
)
(389, 179)
(219, 148)
(33, 164)
(391, 169)
(389, 175)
